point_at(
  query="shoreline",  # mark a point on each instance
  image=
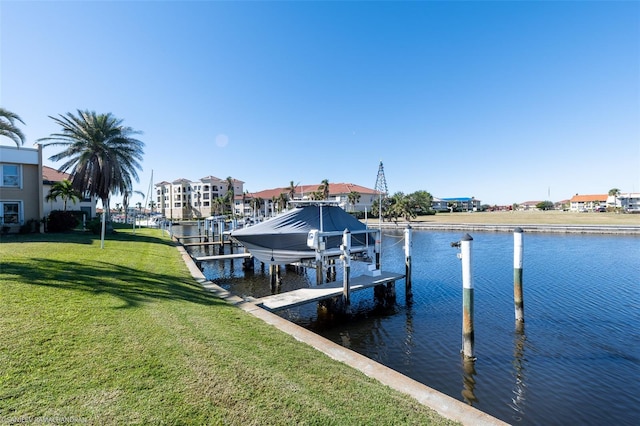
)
(538, 228)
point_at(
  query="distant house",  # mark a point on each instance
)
(464, 204)
(528, 205)
(50, 176)
(627, 201)
(338, 192)
(439, 205)
(583, 203)
(21, 196)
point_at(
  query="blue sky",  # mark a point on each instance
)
(506, 101)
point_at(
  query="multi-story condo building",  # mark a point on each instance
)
(184, 199)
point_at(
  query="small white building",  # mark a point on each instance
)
(50, 176)
(627, 201)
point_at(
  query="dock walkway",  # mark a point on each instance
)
(324, 291)
(223, 257)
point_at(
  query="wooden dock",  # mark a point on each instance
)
(208, 243)
(324, 291)
(223, 257)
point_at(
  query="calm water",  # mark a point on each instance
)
(577, 361)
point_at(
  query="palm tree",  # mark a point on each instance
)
(256, 203)
(64, 190)
(353, 197)
(102, 154)
(128, 193)
(8, 127)
(230, 193)
(324, 189)
(291, 191)
(218, 205)
(615, 193)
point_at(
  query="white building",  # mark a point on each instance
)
(50, 176)
(627, 201)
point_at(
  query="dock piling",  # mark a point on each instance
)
(467, 296)
(408, 244)
(518, 299)
(346, 257)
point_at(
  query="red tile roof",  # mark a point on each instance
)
(53, 175)
(305, 190)
(586, 198)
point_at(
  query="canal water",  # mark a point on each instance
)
(577, 361)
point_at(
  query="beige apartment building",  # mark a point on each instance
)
(183, 199)
(21, 193)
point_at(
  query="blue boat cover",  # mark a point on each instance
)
(283, 239)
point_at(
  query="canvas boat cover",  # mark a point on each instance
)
(283, 239)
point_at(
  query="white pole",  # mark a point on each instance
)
(346, 257)
(518, 299)
(467, 296)
(408, 244)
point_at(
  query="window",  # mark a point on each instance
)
(10, 211)
(10, 175)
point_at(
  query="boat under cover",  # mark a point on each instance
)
(283, 238)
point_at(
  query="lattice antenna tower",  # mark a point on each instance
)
(381, 182)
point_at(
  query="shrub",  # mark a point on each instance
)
(94, 225)
(61, 221)
(30, 227)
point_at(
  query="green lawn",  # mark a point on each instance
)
(552, 217)
(123, 335)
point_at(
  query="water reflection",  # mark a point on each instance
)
(519, 363)
(468, 380)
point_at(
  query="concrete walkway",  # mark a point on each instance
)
(446, 406)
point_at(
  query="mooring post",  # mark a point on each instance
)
(378, 247)
(272, 277)
(346, 257)
(221, 232)
(407, 260)
(518, 299)
(467, 296)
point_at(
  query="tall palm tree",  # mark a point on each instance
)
(230, 193)
(615, 193)
(64, 190)
(102, 154)
(129, 193)
(256, 203)
(324, 188)
(8, 127)
(291, 190)
(353, 197)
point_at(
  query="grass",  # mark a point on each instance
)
(123, 335)
(552, 217)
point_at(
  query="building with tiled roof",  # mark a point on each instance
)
(50, 176)
(274, 200)
(579, 203)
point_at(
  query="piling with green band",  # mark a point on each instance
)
(467, 296)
